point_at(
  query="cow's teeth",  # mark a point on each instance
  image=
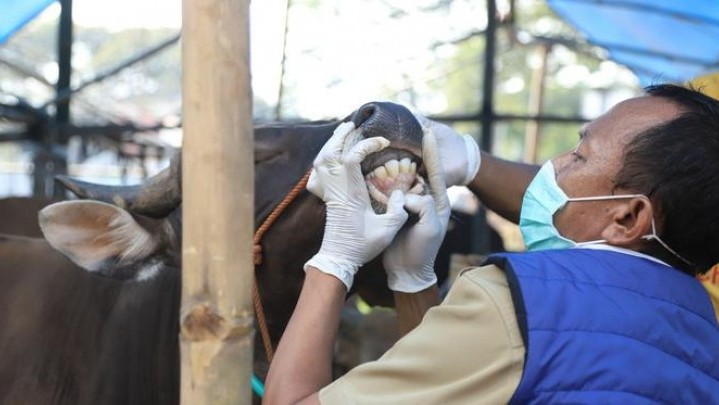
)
(392, 168)
(413, 167)
(404, 165)
(380, 173)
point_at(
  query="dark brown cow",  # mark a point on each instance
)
(18, 215)
(68, 337)
(76, 338)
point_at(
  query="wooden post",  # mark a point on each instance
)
(538, 85)
(216, 317)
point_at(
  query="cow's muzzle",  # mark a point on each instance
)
(399, 166)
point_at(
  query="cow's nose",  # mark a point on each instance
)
(364, 113)
(380, 118)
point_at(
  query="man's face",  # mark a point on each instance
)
(590, 169)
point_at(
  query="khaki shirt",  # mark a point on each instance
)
(468, 350)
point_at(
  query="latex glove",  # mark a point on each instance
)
(409, 260)
(354, 234)
(459, 153)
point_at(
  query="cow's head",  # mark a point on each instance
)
(283, 153)
(129, 232)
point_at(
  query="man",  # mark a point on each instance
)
(604, 309)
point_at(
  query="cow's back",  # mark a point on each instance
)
(18, 215)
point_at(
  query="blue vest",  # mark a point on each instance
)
(611, 328)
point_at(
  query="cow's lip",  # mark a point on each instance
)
(377, 159)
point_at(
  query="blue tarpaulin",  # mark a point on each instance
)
(667, 40)
(14, 14)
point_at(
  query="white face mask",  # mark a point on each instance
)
(544, 198)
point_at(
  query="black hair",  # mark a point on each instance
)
(676, 164)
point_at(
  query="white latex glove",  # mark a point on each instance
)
(459, 153)
(354, 234)
(409, 260)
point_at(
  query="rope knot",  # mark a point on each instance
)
(257, 253)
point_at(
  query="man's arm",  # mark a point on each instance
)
(302, 364)
(500, 185)
(411, 307)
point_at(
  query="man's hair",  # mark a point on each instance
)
(676, 164)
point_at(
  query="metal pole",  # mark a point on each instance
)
(62, 113)
(480, 228)
(487, 123)
(216, 317)
(47, 161)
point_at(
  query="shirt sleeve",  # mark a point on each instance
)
(466, 350)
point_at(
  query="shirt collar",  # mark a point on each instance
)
(604, 246)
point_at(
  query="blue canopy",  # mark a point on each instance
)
(16, 13)
(667, 40)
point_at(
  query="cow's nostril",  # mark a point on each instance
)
(363, 114)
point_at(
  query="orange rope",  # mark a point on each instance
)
(257, 252)
(261, 322)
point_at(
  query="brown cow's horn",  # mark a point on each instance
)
(155, 197)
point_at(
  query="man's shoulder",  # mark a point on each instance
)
(480, 275)
(478, 283)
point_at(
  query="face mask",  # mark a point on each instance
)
(543, 199)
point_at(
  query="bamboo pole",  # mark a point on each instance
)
(216, 317)
(533, 130)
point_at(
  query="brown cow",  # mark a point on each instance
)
(69, 337)
(18, 215)
(76, 338)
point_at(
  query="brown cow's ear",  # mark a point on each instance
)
(94, 234)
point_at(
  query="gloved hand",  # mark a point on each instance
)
(459, 153)
(409, 260)
(354, 234)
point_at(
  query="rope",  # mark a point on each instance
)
(279, 209)
(257, 252)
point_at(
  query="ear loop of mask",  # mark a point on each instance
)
(601, 198)
(653, 236)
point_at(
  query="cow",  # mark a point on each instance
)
(70, 337)
(18, 215)
(110, 335)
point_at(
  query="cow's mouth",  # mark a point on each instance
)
(399, 166)
(389, 170)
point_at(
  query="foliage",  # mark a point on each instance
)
(570, 76)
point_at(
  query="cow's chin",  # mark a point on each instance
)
(394, 174)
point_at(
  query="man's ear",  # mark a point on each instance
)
(631, 219)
